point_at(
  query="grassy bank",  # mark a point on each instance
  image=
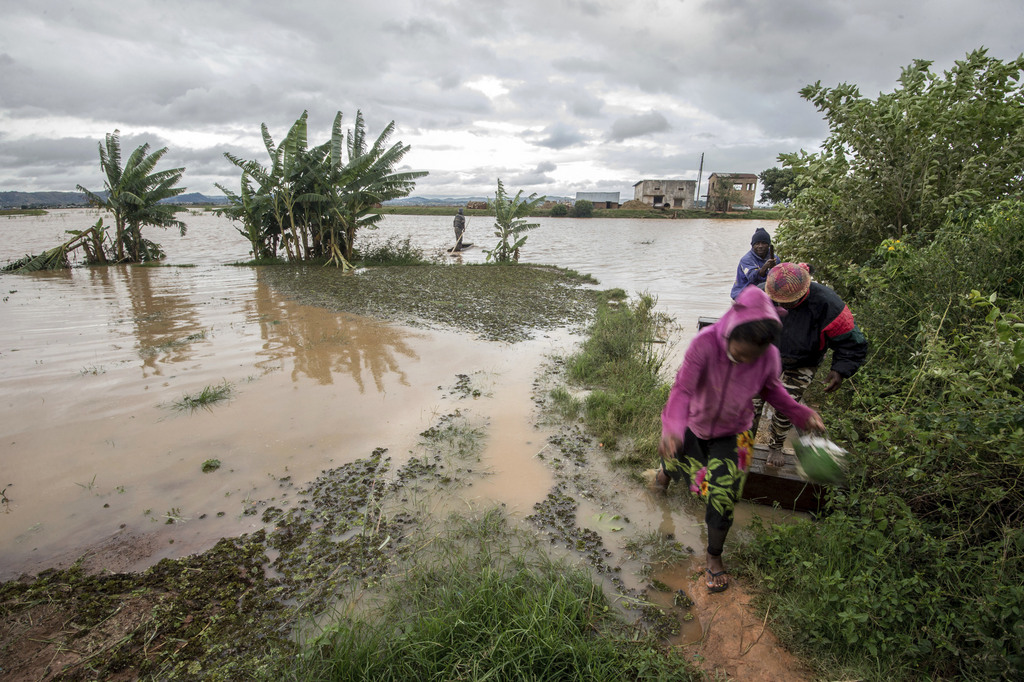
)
(22, 211)
(621, 362)
(474, 609)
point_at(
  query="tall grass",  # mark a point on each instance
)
(475, 609)
(394, 251)
(622, 360)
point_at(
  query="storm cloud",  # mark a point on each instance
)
(553, 97)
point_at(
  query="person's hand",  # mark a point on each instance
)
(668, 446)
(771, 263)
(814, 422)
(832, 381)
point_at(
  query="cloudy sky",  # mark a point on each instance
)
(553, 97)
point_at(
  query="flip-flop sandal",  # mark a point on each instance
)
(710, 582)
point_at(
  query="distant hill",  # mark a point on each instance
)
(77, 199)
(41, 199)
(432, 201)
(74, 199)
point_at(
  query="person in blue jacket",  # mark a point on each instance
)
(755, 264)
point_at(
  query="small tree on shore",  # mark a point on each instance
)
(583, 209)
(777, 185)
(723, 194)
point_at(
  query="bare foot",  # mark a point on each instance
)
(776, 458)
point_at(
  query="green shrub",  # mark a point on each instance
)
(917, 571)
(559, 210)
(583, 209)
(394, 251)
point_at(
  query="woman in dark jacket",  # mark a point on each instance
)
(814, 320)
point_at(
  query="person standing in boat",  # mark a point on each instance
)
(814, 319)
(706, 441)
(755, 264)
(460, 227)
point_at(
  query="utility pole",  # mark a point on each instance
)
(700, 173)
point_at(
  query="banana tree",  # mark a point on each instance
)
(510, 223)
(368, 179)
(355, 179)
(320, 197)
(252, 207)
(133, 195)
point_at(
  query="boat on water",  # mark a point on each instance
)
(458, 248)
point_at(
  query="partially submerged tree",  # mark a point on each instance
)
(510, 223)
(895, 167)
(91, 241)
(133, 197)
(313, 201)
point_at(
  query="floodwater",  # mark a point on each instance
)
(93, 360)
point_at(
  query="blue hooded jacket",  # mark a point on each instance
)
(747, 270)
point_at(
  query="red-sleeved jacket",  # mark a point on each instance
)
(821, 322)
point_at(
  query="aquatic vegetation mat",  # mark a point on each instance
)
(227, 613)
(497, 302)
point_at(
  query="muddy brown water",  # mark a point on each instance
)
(92, 360)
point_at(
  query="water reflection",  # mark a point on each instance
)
(90, 446)
(165, 318)
(322, 344)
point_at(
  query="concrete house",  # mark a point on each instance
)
(600, 199)
(727, 191)
(666, 193)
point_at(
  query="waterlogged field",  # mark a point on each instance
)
(150, 412)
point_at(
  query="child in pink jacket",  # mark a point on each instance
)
(705, 427)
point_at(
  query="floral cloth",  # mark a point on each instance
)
(715, 469)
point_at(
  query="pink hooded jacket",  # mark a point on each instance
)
(712, 396)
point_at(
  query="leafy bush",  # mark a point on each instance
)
(895, 167)
(394, 251)
(583, 209)
(918, 569)
(559, 210)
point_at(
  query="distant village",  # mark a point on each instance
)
(725, 192)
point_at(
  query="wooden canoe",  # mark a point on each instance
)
(781, 485)
(459, 249)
